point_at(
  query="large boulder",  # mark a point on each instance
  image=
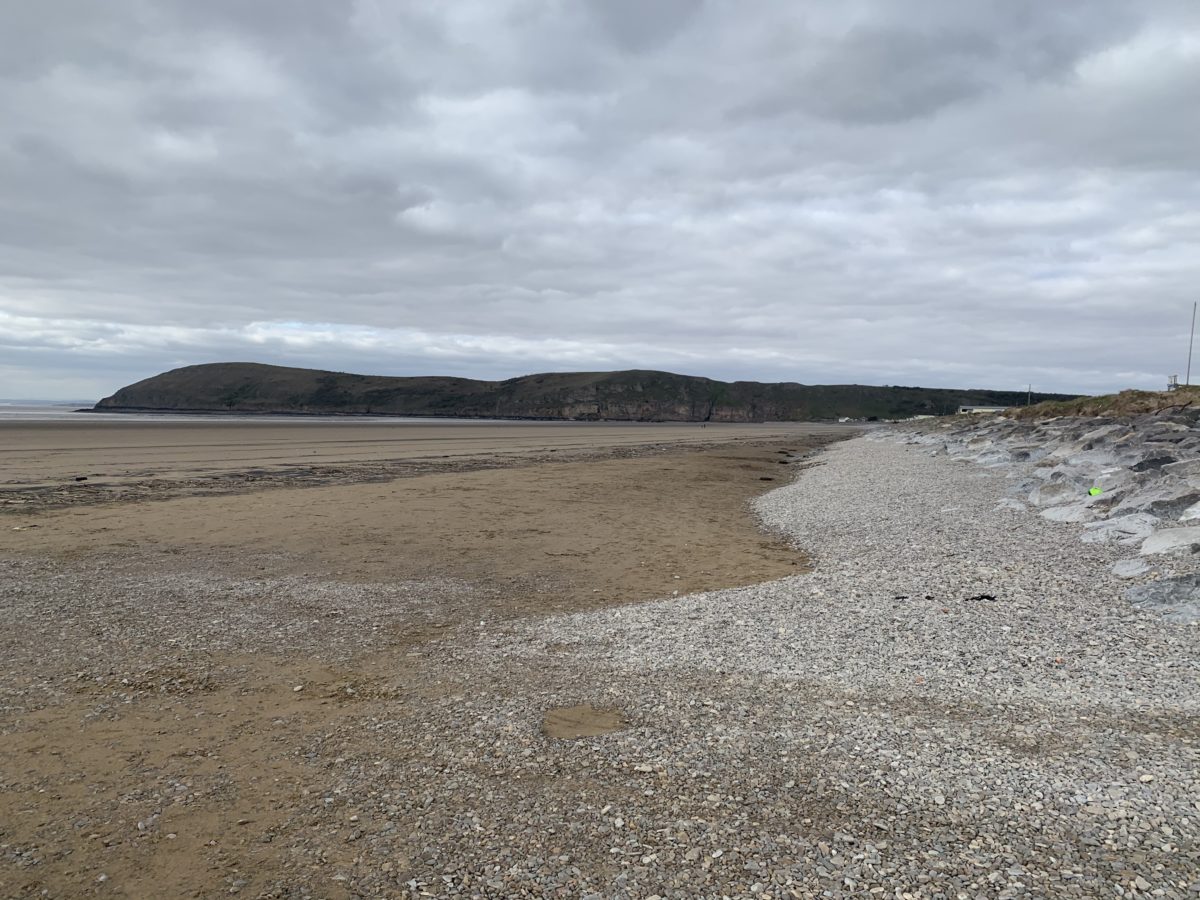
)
(1103, 433)
(1132, 568)
(1184, 468)
(1055, 493)
(1172, 540)
(1178, 598)
(1166, 497)
(1154, 460)
(1027, 453)
(1131, 529)
(1073, 512)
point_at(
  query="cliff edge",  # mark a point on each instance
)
(635, 395)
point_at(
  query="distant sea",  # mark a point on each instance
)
(41, 410)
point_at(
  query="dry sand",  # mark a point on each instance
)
(215, 597)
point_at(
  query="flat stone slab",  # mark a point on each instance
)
(1187, 468)
(1129, 529)
(1131, 568)
(1075, 512)
(1177, 598)
(1169, 540)
(1056, 493)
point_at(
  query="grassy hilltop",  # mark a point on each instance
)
(1126, 403)
(634, 395)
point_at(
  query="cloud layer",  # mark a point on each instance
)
(944, 193)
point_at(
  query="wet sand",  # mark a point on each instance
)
(552, 516)
(116, 452)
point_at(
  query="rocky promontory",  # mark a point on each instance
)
(1129, 480)
(635, 395)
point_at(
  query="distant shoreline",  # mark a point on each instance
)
(299, 414)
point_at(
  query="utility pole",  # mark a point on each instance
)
(1191, 341)
(1029, 399)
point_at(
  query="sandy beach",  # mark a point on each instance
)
(162, 613)
(736, 668)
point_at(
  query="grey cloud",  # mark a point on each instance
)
(638, 26)
(946, 193)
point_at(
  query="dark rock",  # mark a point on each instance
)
(1153, 462)
(1177, 598)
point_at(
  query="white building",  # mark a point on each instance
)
(981, 409)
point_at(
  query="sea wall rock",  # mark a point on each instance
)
(1172, 540)
(1178, 598)
(1133, 481)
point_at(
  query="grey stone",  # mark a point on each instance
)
(1177, 598)
(1185, 468)
(1132, 568)
(1155, 461)
(993, 458)
(1054, 493)
(1173, 507)
(1028, 453)
(1074, 512)
(1129, 529)
(1113, 478)
(1104, 431)
(1107, 499)
(1165, 497)
(1170, 540)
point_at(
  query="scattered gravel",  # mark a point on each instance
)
(957, 702)
(131, 628)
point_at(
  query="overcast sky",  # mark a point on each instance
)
(933, 192)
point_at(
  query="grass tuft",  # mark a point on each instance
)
(1126, 403)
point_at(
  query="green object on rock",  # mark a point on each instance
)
(1096, 492)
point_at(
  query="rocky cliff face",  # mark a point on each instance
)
(631, 396)
(1131, 480)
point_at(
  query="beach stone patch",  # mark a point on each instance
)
(567, 722)
(1125, 482)
(823, 736)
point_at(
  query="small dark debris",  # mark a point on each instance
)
(765, 478)
(1155, 462)
(81, 478)
(783, 462)
(929, 596)
(988, 597)
(901, 597)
